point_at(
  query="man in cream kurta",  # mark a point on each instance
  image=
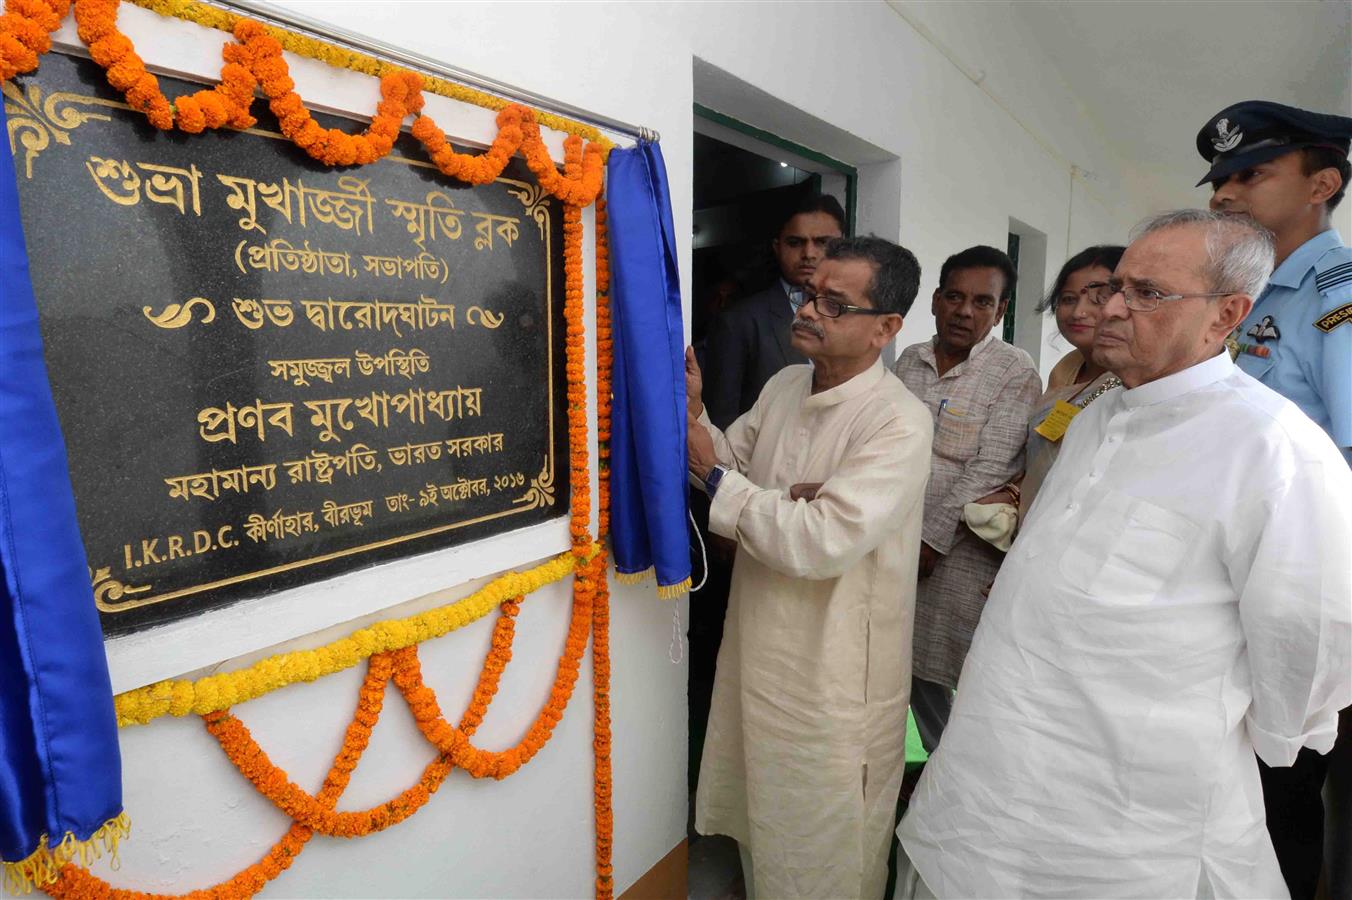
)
(1177, 599)
(821, 485)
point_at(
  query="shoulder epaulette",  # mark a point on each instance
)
(1333, 269)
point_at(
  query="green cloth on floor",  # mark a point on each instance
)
(915, 751)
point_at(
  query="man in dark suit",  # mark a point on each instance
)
(750, 341)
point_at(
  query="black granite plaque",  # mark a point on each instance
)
(268, 371)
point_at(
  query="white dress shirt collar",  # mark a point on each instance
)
(1180, 383)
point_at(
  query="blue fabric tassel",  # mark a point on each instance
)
(60, 768)
(648, 456)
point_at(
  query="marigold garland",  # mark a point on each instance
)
(602, 780)
(217, 692)
(356, 61)
(605, 361)
(76, 883)
(452, 741)
(254, 62)
(26, 33)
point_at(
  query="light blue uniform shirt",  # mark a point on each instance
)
(1298, 338)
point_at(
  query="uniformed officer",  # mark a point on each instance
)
(1288, 168)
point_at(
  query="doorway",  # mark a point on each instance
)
(745, 179)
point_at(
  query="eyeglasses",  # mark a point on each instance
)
(834, 309)
(1088, 292)
(1143, 299)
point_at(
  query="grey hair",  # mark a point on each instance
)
(1240, 252)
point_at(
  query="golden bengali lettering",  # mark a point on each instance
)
(127, 185)
(172, 186)
(489, 224)
(243, 198)
(116, 178)
(258, 416)
(330, 415)
(424, 220)
(342, 208)
(347, 514)
(279, 525)
(210, 485)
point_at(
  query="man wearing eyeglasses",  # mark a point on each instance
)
(980, 392)
(820, 484)
(1177, 599)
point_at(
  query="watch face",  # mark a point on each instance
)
(715, 476)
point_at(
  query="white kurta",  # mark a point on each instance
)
(1178, 598)
(806, 743)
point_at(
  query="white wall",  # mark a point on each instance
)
(946, 166)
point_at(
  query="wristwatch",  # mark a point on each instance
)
(713, 479)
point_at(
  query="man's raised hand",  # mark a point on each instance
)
(694, 384)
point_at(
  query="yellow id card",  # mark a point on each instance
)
(1053, 428)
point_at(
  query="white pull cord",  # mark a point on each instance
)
(676, 650)
(703, 556)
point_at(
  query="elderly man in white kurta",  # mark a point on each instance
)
(1178, 598)
(821, 485)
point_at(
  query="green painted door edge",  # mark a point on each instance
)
(1007, 332)
(850, 172)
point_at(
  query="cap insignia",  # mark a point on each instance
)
(1225, 138)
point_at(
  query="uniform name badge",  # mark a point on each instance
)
(1054, 426)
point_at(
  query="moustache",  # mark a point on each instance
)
(810, 327)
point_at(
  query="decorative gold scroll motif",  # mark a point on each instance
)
(35, 123)
(108, 590)
(541, 491)
(534, 199)
(176, 315)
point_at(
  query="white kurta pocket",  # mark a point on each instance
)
(1127, 550)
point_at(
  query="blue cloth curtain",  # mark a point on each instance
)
(60, 770)
(648, 457)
